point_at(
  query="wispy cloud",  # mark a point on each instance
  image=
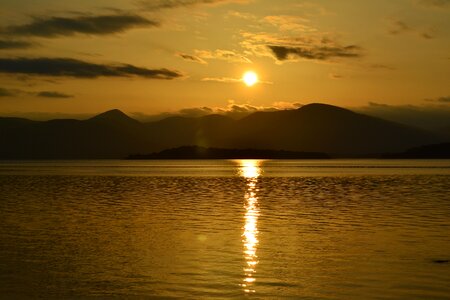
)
(296, 38)
(293, 47)
(233, 110)
(283, 53)
(435, 3)
(226, 55)
(12, 44)
(429, 116)
(68, 67)
(231, 80)
(52, 94)
(167, 4)
(382, 67)
(312, 9)
(192, 58)
(398, 27)
(335, 76)
(222, 79)
(290, 23)
(43, 94)
(445, 99)
(241, 15)
(7, 92)
(51, 27)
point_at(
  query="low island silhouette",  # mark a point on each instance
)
(434, 151)
(196, 152)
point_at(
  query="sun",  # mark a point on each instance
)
(250, 78)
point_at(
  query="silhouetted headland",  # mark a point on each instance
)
(196, 152)
(435, 151)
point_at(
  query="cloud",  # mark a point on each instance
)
(220, 54)
(50, 27)
(231, 80)
(440, 100)
(44, 94)
(241, 15)
(430, 116)
(312, 46)
(196, 111)
(11, 44)
(51, 94)
(283, 53)
(222, 79)
(296, 39)
(232, 110)
(289, 23)
(397, 27)
(435, 3)
(335, 76)
(192, 58)
(280, 105)
(312, 9)
(167, 4)
(382, 67)
(68, 67)
(7, 92)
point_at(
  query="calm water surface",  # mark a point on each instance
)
(338, 229)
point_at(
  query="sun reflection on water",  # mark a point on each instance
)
(250, 170)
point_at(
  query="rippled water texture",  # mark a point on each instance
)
(225, 229)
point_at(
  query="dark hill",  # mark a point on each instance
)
(109, 135)
(325, 128)
(115, 117)
(113, 134)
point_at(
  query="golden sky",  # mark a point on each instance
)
(150, 56)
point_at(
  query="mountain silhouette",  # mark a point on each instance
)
(113, 134)
(326, 128)
(114, 117)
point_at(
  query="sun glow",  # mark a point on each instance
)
(250, 78)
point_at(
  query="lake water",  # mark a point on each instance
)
(336, 229)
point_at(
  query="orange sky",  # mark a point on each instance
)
(149, 56)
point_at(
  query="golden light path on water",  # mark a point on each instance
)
(250, 170)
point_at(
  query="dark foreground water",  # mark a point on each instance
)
(225, 229)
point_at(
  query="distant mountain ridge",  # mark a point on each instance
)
(113, 134)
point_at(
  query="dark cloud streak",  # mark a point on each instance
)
(168, 4)
(6, 93)
(51, 94)
(11, 44)
(436, 3)
(192, 58)
(440, 100)
(50, 27)
(283, 53)
(68, 67)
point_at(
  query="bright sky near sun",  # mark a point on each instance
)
(151, 56)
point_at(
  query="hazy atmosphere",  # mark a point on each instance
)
(225, 149)
(61, 59)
